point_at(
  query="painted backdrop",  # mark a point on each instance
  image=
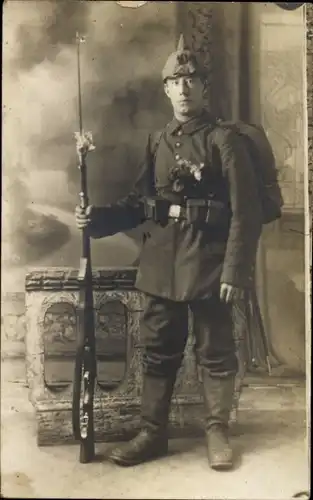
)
(122, 100)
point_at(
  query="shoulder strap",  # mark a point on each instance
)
(155, 141)
(228, 124)
(154, 144)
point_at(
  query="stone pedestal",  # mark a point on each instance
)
(51, 303)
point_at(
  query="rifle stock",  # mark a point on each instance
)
(256, 329)
(85, 362)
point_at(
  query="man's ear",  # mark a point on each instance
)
(166, 90)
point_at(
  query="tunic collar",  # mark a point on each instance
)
(192, 125)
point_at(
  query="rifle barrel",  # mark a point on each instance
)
(79, 86)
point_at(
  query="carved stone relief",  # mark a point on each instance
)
(283, 115)
(59, 332)
(213, 32)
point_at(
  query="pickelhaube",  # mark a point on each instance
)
(182, 62)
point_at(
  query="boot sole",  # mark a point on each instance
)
(131, 463)
(221, 466)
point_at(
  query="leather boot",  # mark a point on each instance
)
(152, 440)
(218, 398)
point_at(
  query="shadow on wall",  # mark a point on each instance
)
(287, 318)
(285, 290)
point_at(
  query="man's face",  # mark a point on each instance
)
(186, 94)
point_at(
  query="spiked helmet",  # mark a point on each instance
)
(182, 62)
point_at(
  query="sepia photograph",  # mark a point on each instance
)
(156, 249)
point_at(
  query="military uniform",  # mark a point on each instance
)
(185, 255)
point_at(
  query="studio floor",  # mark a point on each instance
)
(272, 460)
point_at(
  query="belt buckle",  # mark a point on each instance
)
(174, 211)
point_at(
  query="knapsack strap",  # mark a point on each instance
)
(155, 140)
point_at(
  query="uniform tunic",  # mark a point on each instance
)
(182, 260)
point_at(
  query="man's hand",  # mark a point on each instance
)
(83, 216)
(230, 293)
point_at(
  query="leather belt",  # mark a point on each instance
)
(193, 210)
(180, 212)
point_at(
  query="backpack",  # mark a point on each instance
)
(262, 159)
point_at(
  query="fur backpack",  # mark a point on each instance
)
(263, 161)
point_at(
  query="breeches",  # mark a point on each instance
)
(164, 333)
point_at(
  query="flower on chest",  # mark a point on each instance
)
(185, 174)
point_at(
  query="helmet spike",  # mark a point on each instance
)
(181, 46)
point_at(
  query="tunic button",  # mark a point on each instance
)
(179, 133)
(178, 144)
(177, 157)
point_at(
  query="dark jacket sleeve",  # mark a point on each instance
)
(246, 212)
(127, 213)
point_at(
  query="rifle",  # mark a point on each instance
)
(85, 360)
(253, 314)
(255, 326)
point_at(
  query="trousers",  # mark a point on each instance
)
(164, 333)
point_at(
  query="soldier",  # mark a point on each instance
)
(199, 190)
